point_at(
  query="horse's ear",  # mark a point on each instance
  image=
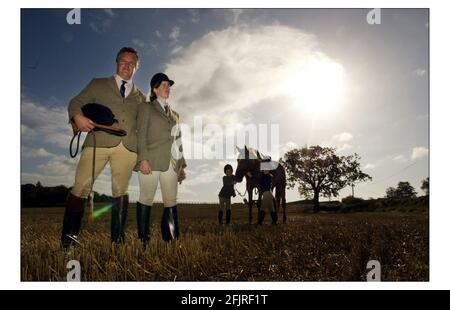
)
(238, 149)
(246, 149)
(258, 155)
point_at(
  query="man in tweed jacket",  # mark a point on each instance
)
(123, 98)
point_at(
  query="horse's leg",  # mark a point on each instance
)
(250, 203)
(277, 199)
(258, 203)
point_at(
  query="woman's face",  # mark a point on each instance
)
(228, 172)
(163, 90)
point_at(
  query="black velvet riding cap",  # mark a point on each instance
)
(99, 114)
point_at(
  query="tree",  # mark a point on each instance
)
(426, 186)
(390, 192)
(319, 171)
(404, 190)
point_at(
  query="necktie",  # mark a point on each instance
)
(122, 89)
(166, 108)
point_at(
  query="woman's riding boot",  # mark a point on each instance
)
(143, 222)
(169, 224)
(119, 214)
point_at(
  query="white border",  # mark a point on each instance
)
(10, 160)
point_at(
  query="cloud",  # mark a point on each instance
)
(344, 147)
(416, 153)
(177, 49)
(226, 62)
(369, 166)
(45, 124)
(343, 137)
(158, 34)
(211, 172)
(27, 152)
(420, 72)
(400, 158)
(138, 42)
(57, 170)
(339, 141)
(288, 146)
(174, 34)
(419, 152)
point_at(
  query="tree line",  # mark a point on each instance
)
(37, 195)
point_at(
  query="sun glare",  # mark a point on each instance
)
(316, 86)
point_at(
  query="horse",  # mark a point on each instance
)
(248, 165)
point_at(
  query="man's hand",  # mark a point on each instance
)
(83, 123)
(145, 167)
(181, 175)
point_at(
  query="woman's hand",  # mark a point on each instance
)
(145, 167)
(181, 175)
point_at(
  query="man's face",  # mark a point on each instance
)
(126, 66)
(163, 91)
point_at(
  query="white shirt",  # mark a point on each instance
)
(163, 103)
(128, 85)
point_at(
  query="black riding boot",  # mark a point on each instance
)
(228, 216)
(169, 224)
(143, 222)
(220, 216)
(274, 216)
(72, 220)
(119, 218)
(175, 218)
(261, 215)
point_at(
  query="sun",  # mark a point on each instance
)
(316, 86)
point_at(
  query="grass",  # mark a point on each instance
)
(310, 247)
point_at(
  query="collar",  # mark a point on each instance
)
(119, 80)
(162, 102)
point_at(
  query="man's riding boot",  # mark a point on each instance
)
(119, 214)
(143, 222)
(274, 216)
(169, 224)
(72, 220)
(261, 215)
(220, 216)
(175, 218)
(228, 216)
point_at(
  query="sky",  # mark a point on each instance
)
(315, 76)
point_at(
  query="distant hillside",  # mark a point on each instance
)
(43, 196)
